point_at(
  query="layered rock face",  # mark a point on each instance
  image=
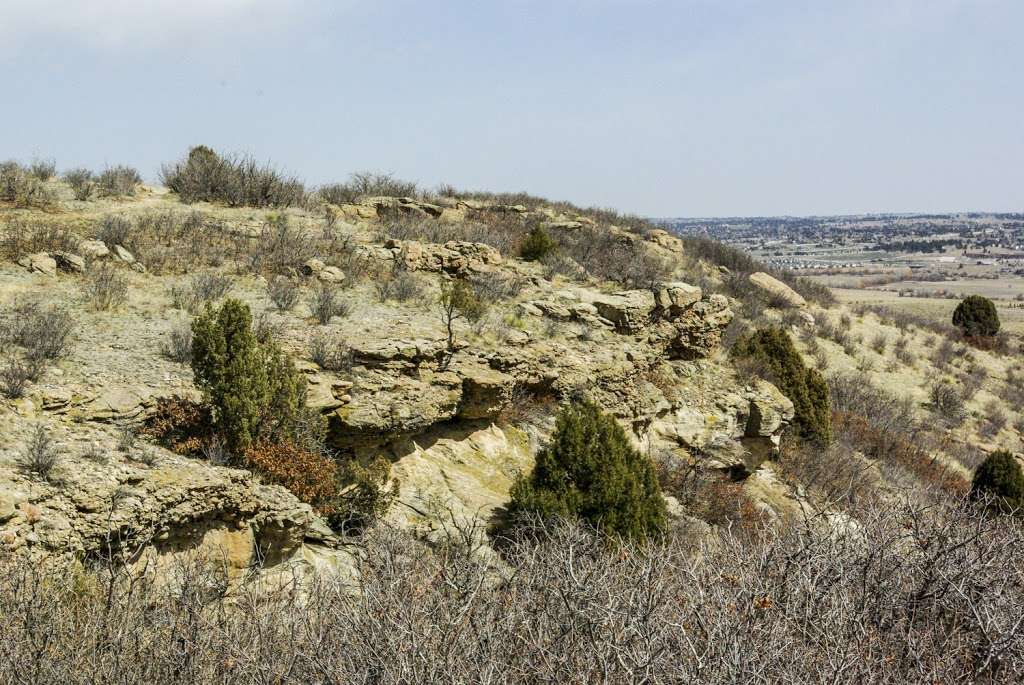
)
(98, 510)
(459, 424)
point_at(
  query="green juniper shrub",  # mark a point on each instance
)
(537, 245)
(590, 471)
(976, 317)
(770, 353)
(1000, 477)
(250, 384)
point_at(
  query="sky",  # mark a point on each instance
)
(654, 107)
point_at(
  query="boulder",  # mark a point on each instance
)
(384, 407)
(675, 297)
(630, 310)
(695, 331)
(776, 290)
(331, 274)
(39, 263)
(123, 255)
(94, 249)
(770, 411)
(458, 258)
(312, 267)
(665, 239)
(70, 262)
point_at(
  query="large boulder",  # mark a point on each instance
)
(675, 297)
(39, 263)
(384, 407)
(70, 262)
(630, 310)
(777, 291)
(94, 249)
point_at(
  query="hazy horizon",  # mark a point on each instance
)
(663, 109)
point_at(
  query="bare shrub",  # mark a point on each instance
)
(282, 248)
(494, 286)
(43, 169)
(21, 237)
(202, 289)
(20, 188)
(364, 184)
(105, 287)
(325, 303)
(118, 181)
(994, 419)
(115, 230)
(948, 402)
(81, 182)
(880, 343)
(236, 180)
(944, 353)
(40, 454)
(178, 345)
(330, 354)
(400, 286)
(45, 332)
(913, 594)
(15, 375)
(283, 292)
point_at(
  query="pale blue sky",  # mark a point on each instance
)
(664, 108)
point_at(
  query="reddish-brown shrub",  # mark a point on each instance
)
(310, 476)
(876, 443)
(181, 424)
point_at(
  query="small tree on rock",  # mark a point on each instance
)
(251, 385)
(590, 471)
(772, 354)
(976, 316)
(458, 301)
(1000, 477)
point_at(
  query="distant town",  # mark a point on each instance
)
(914, 241)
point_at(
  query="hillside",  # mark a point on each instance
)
(434, 405)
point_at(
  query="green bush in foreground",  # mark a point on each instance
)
(772, 353)
(976, 316)
(1000, 476)
(251, 385)
(589, 471)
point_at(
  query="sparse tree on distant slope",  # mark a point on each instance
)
(976, 316)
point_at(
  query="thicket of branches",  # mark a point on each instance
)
(904, 594)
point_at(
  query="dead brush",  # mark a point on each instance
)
(105, 287)
(325, 303)
(202, 289)
(40, 455)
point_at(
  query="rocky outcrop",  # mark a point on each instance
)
(177, 505)
(695, 331)
(777, 291)
(629, 311)
(454, 257)
(39, 263)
